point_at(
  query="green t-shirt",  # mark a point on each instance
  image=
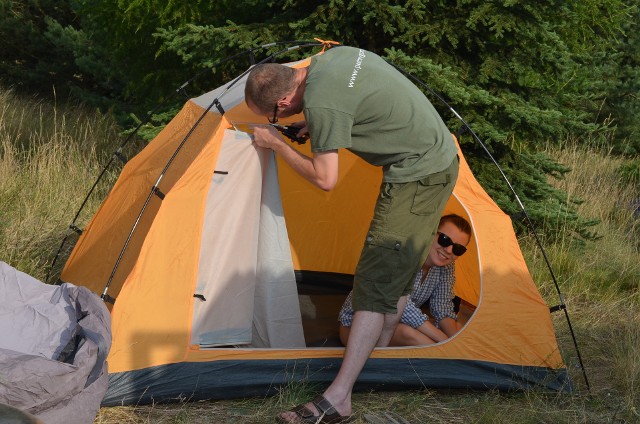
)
(354, 99)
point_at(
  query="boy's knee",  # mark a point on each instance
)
(408, 335)
(404, 330)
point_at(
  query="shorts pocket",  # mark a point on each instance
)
(380, 257)
(429, 193)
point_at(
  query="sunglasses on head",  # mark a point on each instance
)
(445, 241)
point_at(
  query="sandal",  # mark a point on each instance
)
(328, 414)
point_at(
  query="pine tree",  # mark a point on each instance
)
(522, 74)
(515, 70)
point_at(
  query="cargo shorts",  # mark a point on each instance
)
(405, 221)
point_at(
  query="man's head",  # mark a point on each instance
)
(267, 86)
(454, 234)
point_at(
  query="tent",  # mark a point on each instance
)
(224, 271)
(54, 341)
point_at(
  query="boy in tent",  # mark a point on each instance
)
(434, 284)
(353, 99)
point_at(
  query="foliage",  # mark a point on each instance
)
(520, 73)
(623, 104)
(630, 172)
(512, 67)
(35, 50)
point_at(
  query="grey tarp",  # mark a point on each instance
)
(54, 341)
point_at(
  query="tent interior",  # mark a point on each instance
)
(321, 297)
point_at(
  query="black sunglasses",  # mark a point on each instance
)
(275, 115)
(445, 241)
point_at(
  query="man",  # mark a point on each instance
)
(353, 99)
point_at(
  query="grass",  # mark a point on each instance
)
(51, 155)
(50, 158)
(426, 406)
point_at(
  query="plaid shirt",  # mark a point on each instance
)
(437, 289)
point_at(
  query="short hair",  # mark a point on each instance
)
(461, 223)
(267, 83)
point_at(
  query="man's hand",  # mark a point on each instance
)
(266, 136)
(321, 169)
(304, 129)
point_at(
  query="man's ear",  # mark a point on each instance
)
(285, 101)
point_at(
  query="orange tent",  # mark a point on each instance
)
(225, 271)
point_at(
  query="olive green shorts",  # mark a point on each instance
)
(405, 221)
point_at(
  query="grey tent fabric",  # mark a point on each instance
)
(54, 341)
(11, 415)
(245, 271)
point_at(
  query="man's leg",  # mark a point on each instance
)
(391, 322)
(365, 333)
(362, 340)
(368, 330)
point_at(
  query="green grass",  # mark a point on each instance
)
(51, 155)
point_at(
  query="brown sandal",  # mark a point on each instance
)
(328, 414)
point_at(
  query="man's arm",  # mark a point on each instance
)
(321, 170)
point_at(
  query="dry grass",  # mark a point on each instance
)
(50, 156)
(417, 407)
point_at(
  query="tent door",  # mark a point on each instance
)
(245, 272)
